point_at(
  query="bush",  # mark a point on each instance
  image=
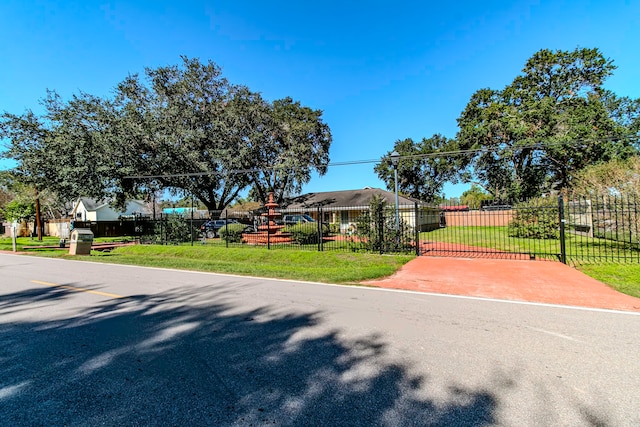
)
(171, 229)
(536, 219)
(232, 233)
(304, 233)
(613, 177)
(377, 231)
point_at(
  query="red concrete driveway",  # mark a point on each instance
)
(532, 281)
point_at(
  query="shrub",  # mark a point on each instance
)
(304, 233)
(232, 233)
(619, 177)
(172, 229)
(376, 230)
(536, 219)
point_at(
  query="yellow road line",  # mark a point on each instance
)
(73, 288)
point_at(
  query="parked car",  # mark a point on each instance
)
(294, 219)
(290, 219)
(210, 228)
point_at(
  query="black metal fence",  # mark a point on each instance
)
(126, 227)
(602, 227)
(384, 229)
(570, 229)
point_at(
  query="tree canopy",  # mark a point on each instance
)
(615, 177)
(534, 135)
(474, 197)
(297, 143)
(550, 122)
(183, 128)
(421, 174)
(198, 133)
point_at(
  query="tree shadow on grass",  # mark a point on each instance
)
(186, 358)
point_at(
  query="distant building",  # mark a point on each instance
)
(89, 210)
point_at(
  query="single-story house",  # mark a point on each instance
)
(344, 207)
(89, 210)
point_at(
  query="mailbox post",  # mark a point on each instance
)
(81, 240)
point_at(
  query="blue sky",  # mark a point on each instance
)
(380, 70)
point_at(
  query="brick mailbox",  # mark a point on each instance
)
(81, 241)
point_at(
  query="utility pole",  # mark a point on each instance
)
(395, 157)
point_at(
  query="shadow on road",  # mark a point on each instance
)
(187, 358)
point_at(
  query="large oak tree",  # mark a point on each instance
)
(183, 128)
(65, 152)
(295, 144)
(198, 133)
(552, 121)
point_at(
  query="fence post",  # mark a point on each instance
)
(226, 228)
(320, 240)
(166, 230)
(563, 247)
(417, 229)
(268, 231)
(381, 219)
(191, 225)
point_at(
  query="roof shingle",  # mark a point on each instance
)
(361, 197)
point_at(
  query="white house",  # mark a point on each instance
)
(89, 210)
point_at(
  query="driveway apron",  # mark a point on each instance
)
(531, 281)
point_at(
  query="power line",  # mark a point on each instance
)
(242, 171)
(537, 145)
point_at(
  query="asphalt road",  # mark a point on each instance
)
(91, 344)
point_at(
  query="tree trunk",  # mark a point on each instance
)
(38, 219)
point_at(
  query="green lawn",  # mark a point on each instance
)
(326, 266)
(7, 245)
(491, 238)
(624, 278)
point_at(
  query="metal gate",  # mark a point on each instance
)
(580, 229)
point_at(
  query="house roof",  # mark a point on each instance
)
(91, 204)
(94, 205)
(361, 197)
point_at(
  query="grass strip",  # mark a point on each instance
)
(327, 267)
(623, 278)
